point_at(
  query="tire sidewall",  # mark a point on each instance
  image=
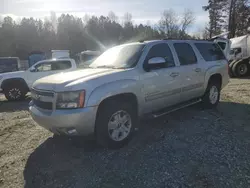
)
(236, 66)
(206, 99)
(6, 92)
(104, 115)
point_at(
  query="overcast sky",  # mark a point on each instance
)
(142, 10)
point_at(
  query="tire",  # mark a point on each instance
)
(231, 74)
(109, 132)
(211, 97)
(15, 92)
(241, 68)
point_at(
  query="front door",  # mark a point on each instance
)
(161, 85)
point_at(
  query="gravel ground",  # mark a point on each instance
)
(188, 148)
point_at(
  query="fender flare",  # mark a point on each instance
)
(112, 89)
(209, 73)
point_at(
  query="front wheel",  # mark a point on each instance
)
(15, 93)
(212, 95)
(115, 124)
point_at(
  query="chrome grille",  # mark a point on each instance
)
(42, 99)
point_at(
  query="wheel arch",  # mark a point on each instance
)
(11, 81)
(216, 77)
(122, 97)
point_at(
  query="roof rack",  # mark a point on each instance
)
(186, 39)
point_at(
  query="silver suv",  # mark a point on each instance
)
(127, 82)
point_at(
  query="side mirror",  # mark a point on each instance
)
(156, 61)
(32, 69)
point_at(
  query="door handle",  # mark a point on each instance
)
(174, 74)
(197, 70)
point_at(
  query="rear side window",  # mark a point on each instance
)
(185, 53)
(210, 51)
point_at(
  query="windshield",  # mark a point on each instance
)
(124, 56)
(231, 51)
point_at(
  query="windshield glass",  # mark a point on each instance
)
(231, 51)
(124, 56)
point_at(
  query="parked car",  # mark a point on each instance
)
(15, 85)
(240, 56)
(9, 64)
(36, 56)
(126, 83)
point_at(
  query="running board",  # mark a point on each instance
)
(175, 108)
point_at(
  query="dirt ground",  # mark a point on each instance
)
(188, 148)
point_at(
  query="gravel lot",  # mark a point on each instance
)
(188, 148)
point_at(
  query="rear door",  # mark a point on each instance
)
(212, 57)
(191, 71)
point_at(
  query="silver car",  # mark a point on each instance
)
(126, 82)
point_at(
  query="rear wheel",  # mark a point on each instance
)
(15, 92)
(212, 95)
(115, 124)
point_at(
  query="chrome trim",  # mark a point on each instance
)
(160, 95)
(175, 109)
(191, 87)
(44, 96)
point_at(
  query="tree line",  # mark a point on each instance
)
(19, 38)
(228, 15)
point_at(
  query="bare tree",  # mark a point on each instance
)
(175, 26)
(112, 17)
(169, 23)
(186, 21)
(53, 20)
(127, 19)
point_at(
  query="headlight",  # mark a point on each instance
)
(72, 99)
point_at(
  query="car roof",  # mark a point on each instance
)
(173, 40)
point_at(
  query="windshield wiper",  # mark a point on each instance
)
(106, 66)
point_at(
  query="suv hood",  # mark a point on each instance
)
(56, 81)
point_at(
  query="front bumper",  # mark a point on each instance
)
(66, 122)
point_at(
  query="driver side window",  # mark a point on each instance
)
(43, 67)
(161, 50)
